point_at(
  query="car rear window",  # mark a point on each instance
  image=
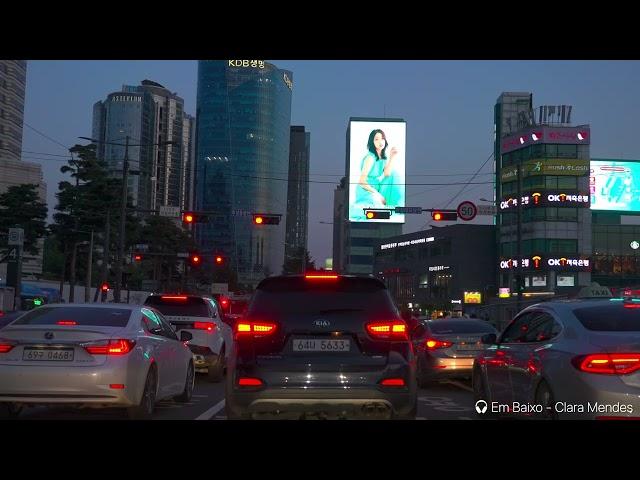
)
(609, 318)
(298, 295)
(443, 327)
(89, 316)
(179, 306)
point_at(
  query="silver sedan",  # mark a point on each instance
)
(92, 355)
(575, 359)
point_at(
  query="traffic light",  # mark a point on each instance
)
(377, 214)
(195, 259)
(265, 219)
(189, 218)
(137, 257)
(440, 216)
(219, 259)
(104, 288)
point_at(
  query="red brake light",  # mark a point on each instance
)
(117, 386)
(632, 305)
(209, 326)
(433, 344)
(110, 347)
(66, 322)
(173, 297)
(608, 363)
(321, 276)
(391, 330)
(255, 328)
(393, 382)
(249, 382)
(6, 347)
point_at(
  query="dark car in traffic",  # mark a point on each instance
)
(321, 346)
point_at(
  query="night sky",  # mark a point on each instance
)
(448, 106)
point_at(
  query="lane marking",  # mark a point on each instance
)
(212, 411)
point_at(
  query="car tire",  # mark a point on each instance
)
(144, 410)
(544, 397)
(9, 411)
(187, 393)
(215, 372)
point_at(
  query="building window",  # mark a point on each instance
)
(566, 280)
(361, 259)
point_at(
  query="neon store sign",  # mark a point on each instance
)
(537, 262)
(538, 198)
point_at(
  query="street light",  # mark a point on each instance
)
(123, 205)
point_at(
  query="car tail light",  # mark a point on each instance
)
(117, 386)
(110, 347)
(391, 330)
(255, 329)
(66, 322)
(320, 276)
(608, 363)
(6, 346)
(393, 382)
(209, 326)
(249, 382)
(433, 344)
(173, 297)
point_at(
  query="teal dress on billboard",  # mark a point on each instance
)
(389, 187)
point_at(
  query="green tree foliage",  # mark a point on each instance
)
(21, 207)
(293, 263)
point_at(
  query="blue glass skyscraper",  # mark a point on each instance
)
(243, 120)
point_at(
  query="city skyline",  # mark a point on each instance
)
(448, 106)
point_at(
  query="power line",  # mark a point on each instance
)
(46, 136)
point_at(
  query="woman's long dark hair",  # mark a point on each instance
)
(372, 147)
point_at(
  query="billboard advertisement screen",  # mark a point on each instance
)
(376, 168)
(615, 185)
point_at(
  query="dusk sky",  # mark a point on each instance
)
(448, 107)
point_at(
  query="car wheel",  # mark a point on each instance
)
(144, 410)
(9, 410)
(187, 393)
(215, 372)
(544, 397)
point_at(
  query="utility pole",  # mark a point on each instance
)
(87, 286)
(105, 265)
(123, 218)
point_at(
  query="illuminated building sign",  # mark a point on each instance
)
(504, 292)
(406, 243)
(439, 268)
(547, 198)
(472, 297)
(287, 80)
(614, 185)
(542, 133)
(552, 166)
(539, 262)
(456, 301)
(246, 63)
(126, 98)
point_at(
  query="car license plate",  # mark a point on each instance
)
(320, 345)
(48, 354)
(469, 346)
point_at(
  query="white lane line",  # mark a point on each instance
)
(212, 411)
(461, 385)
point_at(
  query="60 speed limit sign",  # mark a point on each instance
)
(467, 211)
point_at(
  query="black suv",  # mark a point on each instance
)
(321, 346)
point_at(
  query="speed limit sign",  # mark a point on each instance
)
(467, 211)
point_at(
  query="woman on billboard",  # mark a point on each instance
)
(378, 185)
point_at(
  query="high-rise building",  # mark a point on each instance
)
(542, 187)
(244, 116)
(297, 195)
(340, 222)
(13, 80)
(150, 115)
(187, 180)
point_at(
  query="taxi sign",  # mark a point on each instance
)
(595, 290)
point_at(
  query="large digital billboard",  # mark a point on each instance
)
(376, 168)
(615, 185)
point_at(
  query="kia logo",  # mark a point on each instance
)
(321, 323)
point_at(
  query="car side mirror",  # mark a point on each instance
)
(489, 339)
(185, 336)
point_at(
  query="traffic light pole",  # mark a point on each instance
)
(123, 218)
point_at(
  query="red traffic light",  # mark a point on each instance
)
(439, 216)
(219, 260)
(137, 257)
(188, 218)
(104, 288)
(377, 214)
(195, 259)
(265, 219)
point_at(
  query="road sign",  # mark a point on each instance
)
(417, 210)
(487, 209)
(467, 211)
(169, 211)
(16, 236)
(12, 254)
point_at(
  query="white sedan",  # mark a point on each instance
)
(93, 355)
